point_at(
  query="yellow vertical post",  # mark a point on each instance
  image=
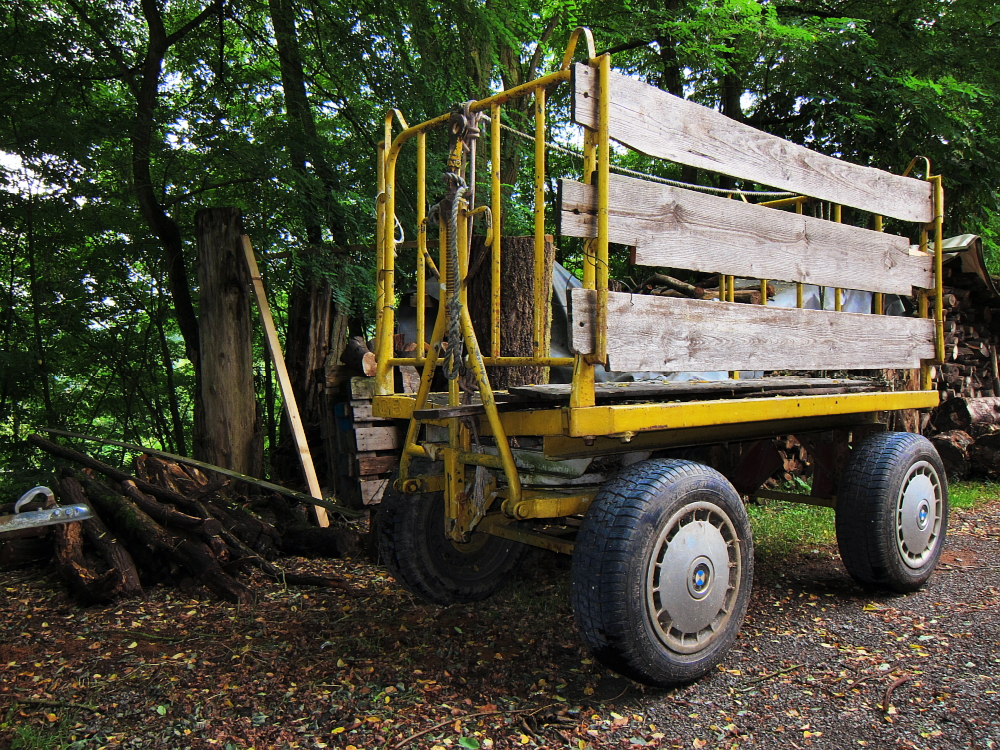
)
(497, 234)
(421, 241)
(731, 297)
(938, 267)
(603, 185)
(589, 165)
(379, 239)
(763, 292)
(540, 296)
(383, 344)
(584, 380)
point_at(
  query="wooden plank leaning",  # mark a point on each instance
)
(662, 125)
(291, 407)
(676, 228)
(647, 333)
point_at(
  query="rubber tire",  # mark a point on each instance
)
(412, 544)
(866, 510)
(611, 559)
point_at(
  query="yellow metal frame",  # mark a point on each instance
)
(582, 427)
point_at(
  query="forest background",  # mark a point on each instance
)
(121, 119)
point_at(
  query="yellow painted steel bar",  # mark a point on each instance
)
(600, 354)
(551, 505)
(584, 376)
(797, 201)
(386, 260)
(571, 46)
(379, 241)
(421, 242)
(619, 419)
(539, 294)
(495, 203)
(938, 267)
(492, 415)
(763, 292)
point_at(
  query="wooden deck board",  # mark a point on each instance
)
(707, 389)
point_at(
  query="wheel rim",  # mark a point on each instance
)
(919, 509)
(693, 577)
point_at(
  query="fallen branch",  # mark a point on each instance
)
(792, 668)
(888, 691)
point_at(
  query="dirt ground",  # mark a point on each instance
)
(820, 663)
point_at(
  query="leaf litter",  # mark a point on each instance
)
(820, 662)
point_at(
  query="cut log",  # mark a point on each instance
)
(953, 447)
(359, 357)
(88, 587)
(963, 413)
(169, 516)
(659, 279)
(101, 538)
(193, 554)
(984, 456)
(160, 493)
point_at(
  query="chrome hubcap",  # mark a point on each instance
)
(693, 577)
(919, 509)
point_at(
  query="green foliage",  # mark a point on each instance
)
(780, 528)
(89, 336)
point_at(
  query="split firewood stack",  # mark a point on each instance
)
(169, 522)
(965, 427)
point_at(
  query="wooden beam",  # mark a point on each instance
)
(658, 334)
(291, 407)
(662, 125)
(676, 228)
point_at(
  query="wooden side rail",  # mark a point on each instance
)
(662, 125)
(647, 333)
(678, 228)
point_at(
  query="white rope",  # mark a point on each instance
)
(650, 177)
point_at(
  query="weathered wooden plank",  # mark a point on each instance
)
(362, 388)
(676, 228)
(372, 490)
(377, 438)
(647, 333)
(683, 389)
(362, 411)
(368, 465)
(660, 124)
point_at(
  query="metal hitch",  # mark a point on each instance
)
(31, 519)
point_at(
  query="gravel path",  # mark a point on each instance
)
(820, 663)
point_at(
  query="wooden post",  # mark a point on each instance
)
(291, 407)
(227, 430)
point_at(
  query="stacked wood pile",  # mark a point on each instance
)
(661, 285)
(367, 449)
(168, 522)
(964, 426)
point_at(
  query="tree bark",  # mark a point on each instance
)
(228, 432)
(517, 266)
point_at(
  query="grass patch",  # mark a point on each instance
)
(970, 494)
(781, 528)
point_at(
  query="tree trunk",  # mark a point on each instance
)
(227, 425)
(517, 266)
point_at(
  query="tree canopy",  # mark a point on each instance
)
(120, 120)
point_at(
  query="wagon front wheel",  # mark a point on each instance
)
(662, 571)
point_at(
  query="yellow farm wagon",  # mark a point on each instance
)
(663, 559)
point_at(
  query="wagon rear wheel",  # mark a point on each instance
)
(413, 545)
(662, 571)
(892, 511)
